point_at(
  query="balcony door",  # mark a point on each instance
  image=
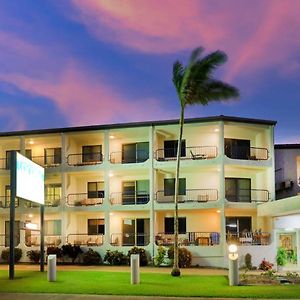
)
(52, 156)
(136, 232)
(238, 189)
(237, 225)
(91, 154)
(237, 148)
(135, 152)
(170, 149)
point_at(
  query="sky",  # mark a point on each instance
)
(86, 62)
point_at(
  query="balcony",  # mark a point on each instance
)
(191, 195)
(247, 153)
(122, 157)
(130, 239)
(123, 198)
(34, 240)
(85, 159)
(5, 202)
(191, 153)
(249, 238)
(83, 239)
(49, 161)
(82, 199)
(50, 201)
(189, 239)
(248, 196)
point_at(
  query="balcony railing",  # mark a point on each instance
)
(191, 195)
(246, 153)
(48, 161)
(85, 159)
(189, 239)
(82, 199)
(194, 153)
(123, 198)
(130, 239)
(2, 240)
(122, 157)
(246, 195)
(50, 201)
(249, 238)
(34, 240)
(5, 202)
(85, 239)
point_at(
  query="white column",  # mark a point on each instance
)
(64, 152)
(106, 205)
(64, 215)
(271, 174)
(151, 188)
(22, 145)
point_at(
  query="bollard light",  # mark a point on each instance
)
(233, 272)
(233, 249)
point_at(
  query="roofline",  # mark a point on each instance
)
(138, 124)
(287, 146)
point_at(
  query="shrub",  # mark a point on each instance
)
(248, 261)
(115, 258)
(143, 255)
(18, 254)
(265, 265)
(281, 257)
(184, 257)
(91, 257)
(160, 257)
(71, 251)
(54, 250)
(34, 255)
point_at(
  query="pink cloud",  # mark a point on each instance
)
(84, 99)
(255, 34)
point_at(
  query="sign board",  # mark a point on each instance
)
(29, 180)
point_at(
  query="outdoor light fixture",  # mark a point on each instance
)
(110, 174)
(111, 137)
(233, 273)
(31, 142)
(216, 130)
(31, 226)
(232, 249)
(218, 211)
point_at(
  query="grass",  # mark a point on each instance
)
(118, 283)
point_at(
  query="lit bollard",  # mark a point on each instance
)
(233, 272)
(135, 268)
(52, 267)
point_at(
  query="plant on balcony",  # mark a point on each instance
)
(34, 255)
(72, 251)
(195, 84)
(115, 258)
(18, 254)
(91, 257)
(144, 260)
(184, 257)
(159, 259)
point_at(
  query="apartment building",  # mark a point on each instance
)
(112, 186)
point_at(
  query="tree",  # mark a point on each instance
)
(195, 84)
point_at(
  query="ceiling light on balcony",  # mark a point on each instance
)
(30, 215)
(110, 174)
(31, 226)
(216, 130)
(31, 142)
(111, 137)
(218, 211)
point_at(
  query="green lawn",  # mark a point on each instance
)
(118, 283)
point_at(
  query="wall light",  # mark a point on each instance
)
(216, 130)
(110, 174)
(31, 142)
(218, 211)
(111, 137)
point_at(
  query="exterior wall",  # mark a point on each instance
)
(204, 173)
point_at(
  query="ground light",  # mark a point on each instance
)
(233, 272)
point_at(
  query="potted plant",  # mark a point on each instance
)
(281, 258)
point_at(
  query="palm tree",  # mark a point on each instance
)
(195, 84)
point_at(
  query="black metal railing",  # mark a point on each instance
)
(122, 157)
(191, 195)
(50, 201)
(246, 195)
(189, 239)
(249, 238)
(129, 198)
(82, 199)
(194, 153)
(34, 240)
(2, 240)
(85, 239)
(48, 161)
(246, 153)
(85, 159)
(5, 202)
(129, 239)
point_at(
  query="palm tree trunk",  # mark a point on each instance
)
(176, 270)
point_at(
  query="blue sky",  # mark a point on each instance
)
(74, 62)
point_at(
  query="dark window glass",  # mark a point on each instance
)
(236, 225)
(135, 153)
(96, 189)
(52, 156)
(170, 148)
(238, 189)
(169, 186)
(96, 226)
(92, 153)
(169, 225)
(237, 149)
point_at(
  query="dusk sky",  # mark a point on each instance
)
(84, 62)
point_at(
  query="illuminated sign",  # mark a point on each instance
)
(30, 180)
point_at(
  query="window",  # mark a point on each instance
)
(236, 225)
(52, 227)
(169, 225)
(135, 192)
(52, 156)
(91, 153)
(95, 189)
(169, 186)
(7, 197)
(8, 156)
(237, 149)
(170, 148)
(135, 153)
(52, 194)
(96, 226)
(136, 232)
(238, 189)
(16, 233)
